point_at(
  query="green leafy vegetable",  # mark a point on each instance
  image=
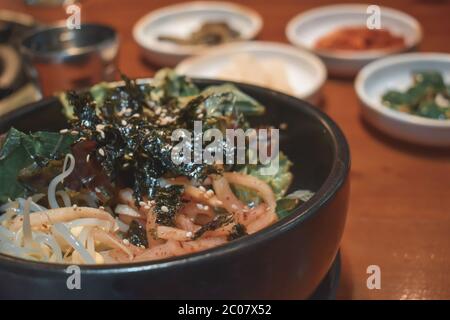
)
(243, 102)
(19, 151)
(279, 182)
(428, 97)
(286, 205)
(169, 84)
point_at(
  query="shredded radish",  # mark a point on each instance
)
(251, 182)
(76, 234)
(111, 241)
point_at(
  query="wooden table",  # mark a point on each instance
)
(399, 216)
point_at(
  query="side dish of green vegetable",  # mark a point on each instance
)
(428, 97)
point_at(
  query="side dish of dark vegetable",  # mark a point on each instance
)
(209, 33)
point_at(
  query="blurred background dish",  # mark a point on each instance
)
(395, 73)
(49, 2)
(16, 85)
(339, 35)
(68, 59)
(277, 66)
(173, 33)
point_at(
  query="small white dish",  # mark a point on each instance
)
(181, 20)
(395, 73)
(305, 72)
(305, 29)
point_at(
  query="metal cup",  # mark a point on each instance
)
(67, 59)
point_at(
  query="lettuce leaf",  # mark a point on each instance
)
(279, 182)
(20, 150)
(287, 204)
(243, 102)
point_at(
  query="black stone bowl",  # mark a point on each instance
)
(287, 260)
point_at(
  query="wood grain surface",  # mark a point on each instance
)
(399, 216)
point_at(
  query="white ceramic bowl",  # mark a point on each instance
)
(305, 29)
(395, 73)
(181, 20)
(305, 72)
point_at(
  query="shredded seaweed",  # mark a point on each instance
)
(218, 221)
(237, 232)
(137, 235)
(167, 204)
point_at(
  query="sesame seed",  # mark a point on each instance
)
(123, 122)
(200, 206)
(210, 193)
(88, 157)
(63, 131)
(102, 208)
(234, 207)
(74, 132)
(97, 190)
(142, 203)
(74, 206)
(146, 207)
(202, 188)
(164, 209)
(126, 242)
(189, 234)
(101, 152)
